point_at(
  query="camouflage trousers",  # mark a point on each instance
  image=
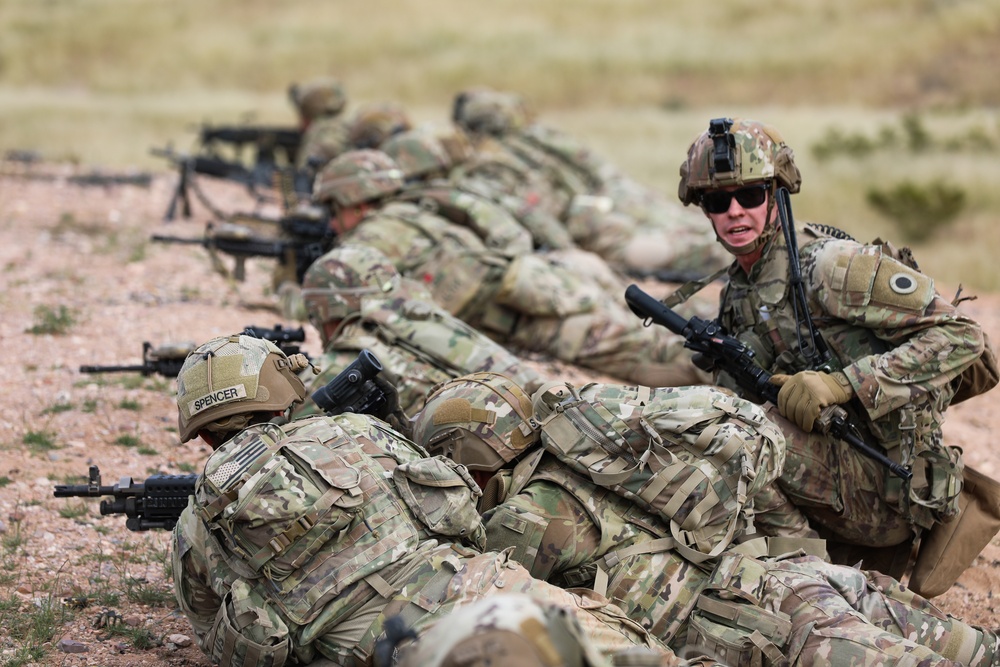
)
(865, 617)
(439, 582)
(839, 489)
(844, 616)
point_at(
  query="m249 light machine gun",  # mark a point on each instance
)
(156, 502)
(166, 360)
(239, 243)
(735, 358)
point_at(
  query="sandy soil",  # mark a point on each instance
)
(86, 248)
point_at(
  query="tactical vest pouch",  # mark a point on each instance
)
(442, 494)
(729, 620)
(949, 548)
(738, 634)
(692, 456)
(309, 516)
(247, 633)
(533, 286)
(294, 504)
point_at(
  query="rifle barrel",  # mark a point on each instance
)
(137, 368)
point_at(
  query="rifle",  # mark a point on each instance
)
(157, 501)
(167, 360)
(735, 358)
(264, 174)
(240, 244)
(266, 140)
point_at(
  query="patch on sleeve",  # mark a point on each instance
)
(899, 286)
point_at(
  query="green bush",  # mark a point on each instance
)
(55, 321)
(918, 209)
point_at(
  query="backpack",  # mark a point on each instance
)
(695, 456)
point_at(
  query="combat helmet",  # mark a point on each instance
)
(322, 97)
(482, 420)
(510, 630)
(226, 380)
(736, 152)
(357, 177)
(373, 123)
(418, 153)
(485, 111)
(334, 284)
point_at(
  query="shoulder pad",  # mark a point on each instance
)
(864, 276)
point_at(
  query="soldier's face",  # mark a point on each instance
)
(739, 225)
(348, 218)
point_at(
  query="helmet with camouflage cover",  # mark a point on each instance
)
(418, 153)
(373, 123)
(510, 630)
(321, 97)
(357, 177)
(335, 284)
(484, 111)
(736, 152)
(226, 380)
(481, 420)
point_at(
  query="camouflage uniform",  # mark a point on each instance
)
(418, 343)
(338, 534)
(567, 529)
(528, 302)
(900, 352)
(606, 212)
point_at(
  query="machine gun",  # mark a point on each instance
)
(157, 501)
(735, 358)
(167, 360)
(238, 242)
(267, 141)
(263, 174)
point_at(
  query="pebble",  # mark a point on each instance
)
(179, 640)
(72, 646)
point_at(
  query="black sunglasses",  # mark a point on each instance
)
(750, 196)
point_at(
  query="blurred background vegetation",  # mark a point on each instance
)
(891, 105)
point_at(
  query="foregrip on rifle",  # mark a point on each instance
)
(735, 358)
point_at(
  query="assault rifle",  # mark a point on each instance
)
(156, 503)
(239, 243)
(166, 360)
(735, 358)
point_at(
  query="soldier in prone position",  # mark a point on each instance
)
(525, 302)
(647, 495)
(302, 538)
(357, 300)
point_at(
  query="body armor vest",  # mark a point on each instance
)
(306, 511)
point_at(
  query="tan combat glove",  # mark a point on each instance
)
(804, 395)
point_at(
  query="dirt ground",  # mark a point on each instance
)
(85, 249)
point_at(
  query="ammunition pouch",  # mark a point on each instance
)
(247, 633)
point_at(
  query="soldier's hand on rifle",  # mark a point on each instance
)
(804, 395)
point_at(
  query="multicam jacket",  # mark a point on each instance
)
(900, 344)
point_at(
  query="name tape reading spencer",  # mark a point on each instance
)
(218, 396)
